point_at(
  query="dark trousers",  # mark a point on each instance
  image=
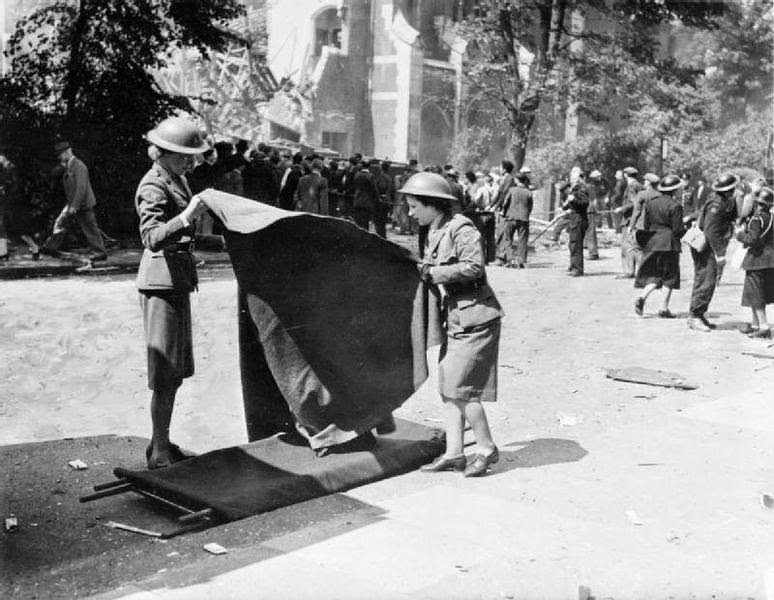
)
(88, 224)
(590, 239)
(522, 242)
(705, 271)
(363, 215)
(576, 227)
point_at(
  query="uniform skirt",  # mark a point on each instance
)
(659, 268)
(468, 367)
(758, 288)
(167, 323)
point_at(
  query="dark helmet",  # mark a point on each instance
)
(670, 183)
(427, 184)
(765, 197)
(179, 135)
(726, 182)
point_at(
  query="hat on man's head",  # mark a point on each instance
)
(651, 178)
(595, 174)
(526, 170)
(480, 175)
(61, 146)
(726, 182)
(631, 171)
(670, 183)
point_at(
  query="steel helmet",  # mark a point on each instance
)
(177, 134)
(670, 183)
(726, 182)
(427, 184)
(765, 197)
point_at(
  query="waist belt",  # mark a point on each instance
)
(464, 286)
(180, 247)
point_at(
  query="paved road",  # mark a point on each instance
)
(579, 450)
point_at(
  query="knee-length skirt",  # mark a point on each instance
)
(661, 268)
(167, 324)
(468, 367)
(758, 287)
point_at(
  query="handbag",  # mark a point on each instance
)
(695, 238)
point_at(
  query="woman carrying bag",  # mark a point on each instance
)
(467, 374)
(758, 237)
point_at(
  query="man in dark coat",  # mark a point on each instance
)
(289, 182)
(506, 183)
(575, 209)
(258, 179)
(364, 196)
(660, 233)
(517, 208)
(715, 219)
(630, 253)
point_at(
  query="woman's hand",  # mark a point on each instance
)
(424, 271)
(196, 208)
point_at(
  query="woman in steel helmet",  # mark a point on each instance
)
(467, 373)
(167, 275)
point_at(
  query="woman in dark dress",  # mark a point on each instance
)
(758, 237)
(167, 275)
(660, 238)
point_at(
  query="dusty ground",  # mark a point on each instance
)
(579, 450)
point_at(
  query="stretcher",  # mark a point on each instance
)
(237, 482)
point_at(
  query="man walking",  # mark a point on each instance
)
(517, 208)
(630, 253)
(79, 207)
(715, 219)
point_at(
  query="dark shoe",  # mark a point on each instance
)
(748, 329)
(445, 464)
(764, 334)
(386, 426)
(707, 323)
(593, 257)
(574, 273)
(481, 463)
(98, 257)
(51, 253)
(666, 314)
(697, 324)
(639, 304)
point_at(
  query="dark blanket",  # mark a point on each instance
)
(325, 319)
(245, 480)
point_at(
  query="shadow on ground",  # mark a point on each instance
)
(61, 550)
(539, 453)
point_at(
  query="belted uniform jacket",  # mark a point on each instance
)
(663, 218)
(164, 266)
(715, 221)
(456, 251)
(77, 186)
(758, 236)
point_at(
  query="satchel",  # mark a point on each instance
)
(695, 238)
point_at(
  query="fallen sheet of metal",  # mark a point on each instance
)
(651, 377)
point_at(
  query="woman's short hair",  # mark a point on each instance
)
(441, 204)
(155, 153)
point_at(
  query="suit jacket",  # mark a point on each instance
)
(632, 189)
(663, 219)
(160, 198)
(457, 253)
(505, 185)
(77, 186)
(638, 209)
(312, 194)
(518, 203)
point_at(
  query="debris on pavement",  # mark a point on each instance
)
(767, 500)
(568, 420)
(758, 354)
(651, 377)
(213, 548)
(124, 527)
(11, 524)
(633, 518)
(78, 465)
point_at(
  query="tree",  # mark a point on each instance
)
(589, 56)
(85, 70)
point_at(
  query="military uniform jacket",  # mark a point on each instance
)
(715, 221)
(663, 218)
(166, 263)
(77, 186)
(518, 204)
(578, 199)
(456, 251)
(758, 237)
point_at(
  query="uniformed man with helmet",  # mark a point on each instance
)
(715, 220)
(167, 275)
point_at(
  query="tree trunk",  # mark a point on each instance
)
(74, 66)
